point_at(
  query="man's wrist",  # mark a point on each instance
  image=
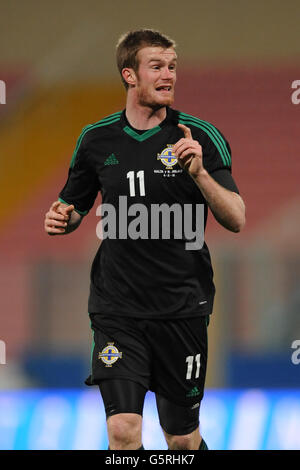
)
(200, 175)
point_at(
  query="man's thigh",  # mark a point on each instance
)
(179, 359)
(175, 419)
(119, 351)
(122, 396)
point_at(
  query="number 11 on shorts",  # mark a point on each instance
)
(190, 366)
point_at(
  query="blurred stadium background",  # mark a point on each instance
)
(238, 60)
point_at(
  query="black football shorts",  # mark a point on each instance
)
(168, 357)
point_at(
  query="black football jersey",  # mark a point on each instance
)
(146, 265)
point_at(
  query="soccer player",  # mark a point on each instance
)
(152, 288)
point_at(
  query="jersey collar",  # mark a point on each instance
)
(141, 135)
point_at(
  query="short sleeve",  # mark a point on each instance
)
(82, 185)
(225, 179)
(216, 151)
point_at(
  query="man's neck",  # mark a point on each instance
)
(143, 117)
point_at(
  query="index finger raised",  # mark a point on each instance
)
(186, 130)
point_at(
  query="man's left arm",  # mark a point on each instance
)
(227, 206)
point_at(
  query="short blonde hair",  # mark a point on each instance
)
(130, 43)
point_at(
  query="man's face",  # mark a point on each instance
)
(156, 76)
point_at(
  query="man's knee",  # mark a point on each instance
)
(183, 442)
(124, 431)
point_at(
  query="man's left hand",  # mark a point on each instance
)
(189, 152)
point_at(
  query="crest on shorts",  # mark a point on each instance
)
(167, 156)
(109, 355)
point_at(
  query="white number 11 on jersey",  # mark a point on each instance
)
(140, 176)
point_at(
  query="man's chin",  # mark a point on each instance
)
(167, 100)
(162, 103)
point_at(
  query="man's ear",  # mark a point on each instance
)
(129, 76)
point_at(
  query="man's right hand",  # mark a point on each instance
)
(56, 219)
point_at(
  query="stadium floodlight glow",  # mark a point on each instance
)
(2, 92)
(2, 352)
(76, 420)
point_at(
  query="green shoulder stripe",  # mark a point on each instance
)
(212, 132)
(103, 122)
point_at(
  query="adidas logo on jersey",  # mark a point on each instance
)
(111, 160)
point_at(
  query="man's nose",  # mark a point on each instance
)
(166, 73)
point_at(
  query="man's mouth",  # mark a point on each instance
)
(163, 88)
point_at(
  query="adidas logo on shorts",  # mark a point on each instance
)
(196, 405)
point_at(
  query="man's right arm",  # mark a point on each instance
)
(61, 219)
(81, 189)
